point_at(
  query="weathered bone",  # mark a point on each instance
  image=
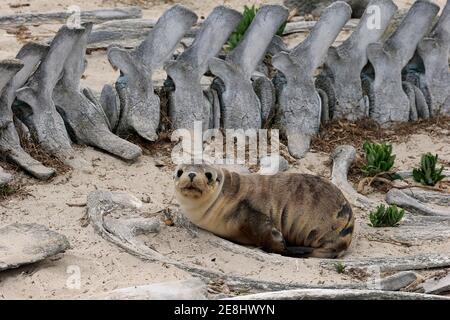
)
(438, 198)
(28, 243)
(30, 55)
(83, 115)
(344, 64)
(5, 177)
(340, 294)
(389, 102)
(398, 281)
(433, 286)
(300, 105)
(240, 106)
(40, 115)
(307, 26)
(100, 15)
(190, 289)
(265, 91)
(401, 199)
(343, 157)
(410, 91)
(387, 264)
(414, 230)
(8, 68)
(434, 51)
(140, 106)
(111, 105)
(130, 33)
(188, 102)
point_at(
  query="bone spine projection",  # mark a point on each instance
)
(398, 79)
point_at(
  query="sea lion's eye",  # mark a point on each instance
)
(208, 175)
(179, 173)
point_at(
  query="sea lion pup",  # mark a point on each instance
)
(291, 214)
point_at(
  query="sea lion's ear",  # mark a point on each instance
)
(219, 175)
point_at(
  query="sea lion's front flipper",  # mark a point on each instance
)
(256, 228)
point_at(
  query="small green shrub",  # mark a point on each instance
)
(379, 158)
(339, 267)
(6, 190)
(247, 17)
(386, 217)
(428, 174)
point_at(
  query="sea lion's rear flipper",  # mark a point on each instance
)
(307, 252)
(298, 252)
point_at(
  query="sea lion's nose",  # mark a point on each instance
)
(191, 175)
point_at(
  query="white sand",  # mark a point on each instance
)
(104, 266)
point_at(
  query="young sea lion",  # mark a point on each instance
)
(287, 213)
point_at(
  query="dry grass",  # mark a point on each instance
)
(341, 132)
(36, 151)
(160, 149)
(12, 190)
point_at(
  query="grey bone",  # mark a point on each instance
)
(343, 157)
(389, 102)
(388, 264)
(190, 289)
(344, 63)
(8, 68)
(434, 51)
(30, 55)
(188, 102)
(341, 294)
(414, 230)
(436, 286)
(435, 197)
(140, 106)
(130, 33)
(40, 116)
(299, 102)
(81, 112)
(5, 177)
(398, 281)
(96, 16)
(401, 199)
(240, 106)
(28, 243)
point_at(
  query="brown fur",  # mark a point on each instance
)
(287, 213)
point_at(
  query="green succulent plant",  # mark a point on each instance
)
(386, 216)
(428, 174)
(247, 17)
(379, 158)
(339, 267)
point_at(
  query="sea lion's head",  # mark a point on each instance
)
(195, 181)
